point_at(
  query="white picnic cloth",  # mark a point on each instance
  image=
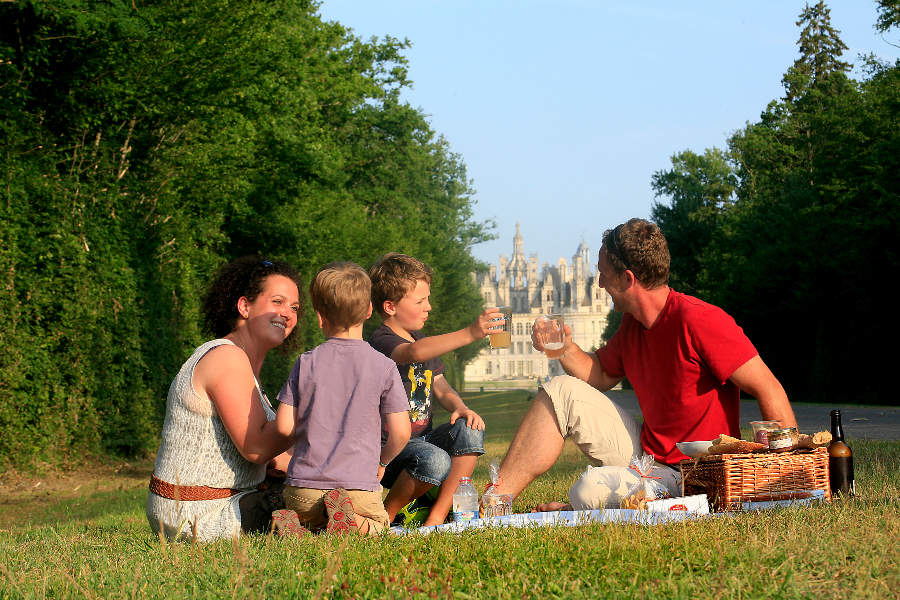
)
(574, 518)
(566, 518)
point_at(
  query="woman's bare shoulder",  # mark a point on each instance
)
(223, 361)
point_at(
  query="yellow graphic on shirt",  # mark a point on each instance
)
(419, 392)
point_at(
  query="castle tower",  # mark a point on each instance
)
(559, 289)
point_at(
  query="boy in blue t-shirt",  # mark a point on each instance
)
(401, 286)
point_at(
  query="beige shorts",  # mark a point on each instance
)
(608, 436)
(602, 430)
(310, 508)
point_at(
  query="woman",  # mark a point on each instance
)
(219, 432)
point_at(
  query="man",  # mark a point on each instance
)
(687, 360)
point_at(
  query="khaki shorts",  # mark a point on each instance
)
(608, 436)
(602, 430)
(310, 508)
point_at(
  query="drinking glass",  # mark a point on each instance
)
(550, 332)
(761, 429)
(501, 336)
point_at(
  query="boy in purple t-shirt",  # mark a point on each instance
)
(333, 404)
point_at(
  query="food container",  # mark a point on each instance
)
(730, 480)
(496, 505)
(692, 504)
(694, 449)
(761, 430)
(783, 439)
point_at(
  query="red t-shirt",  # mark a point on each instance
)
(679, 368)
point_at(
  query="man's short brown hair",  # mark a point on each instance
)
(341, 293)
(640, 247)
(395, 274)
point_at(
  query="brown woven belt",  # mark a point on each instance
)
(188, 492)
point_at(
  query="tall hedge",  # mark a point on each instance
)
(144, 144)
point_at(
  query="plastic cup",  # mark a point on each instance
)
(501, 336)
(550, 332)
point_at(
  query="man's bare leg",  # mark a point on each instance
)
(460, 466)
(534, 449)
(405, 489)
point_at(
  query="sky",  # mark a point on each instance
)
(562, 110)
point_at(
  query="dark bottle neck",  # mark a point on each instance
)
(837, 430)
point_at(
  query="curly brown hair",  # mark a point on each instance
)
(395, 274)
(245, 276)
(640, 247)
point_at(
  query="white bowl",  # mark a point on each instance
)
(695, 449)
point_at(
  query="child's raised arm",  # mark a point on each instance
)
(437, 345)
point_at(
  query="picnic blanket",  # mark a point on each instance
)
(573, 518)
(566, 518)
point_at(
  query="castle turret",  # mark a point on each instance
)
(569, 290)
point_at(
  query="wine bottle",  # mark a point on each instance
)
(840, 460)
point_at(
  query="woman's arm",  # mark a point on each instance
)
(278, 466)
(224, 374)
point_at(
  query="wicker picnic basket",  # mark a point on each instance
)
(729, 480)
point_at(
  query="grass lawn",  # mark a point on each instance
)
(84, 534)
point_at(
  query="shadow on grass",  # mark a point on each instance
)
(52, 511)
(87, 495)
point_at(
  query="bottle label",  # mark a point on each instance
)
(465, 515)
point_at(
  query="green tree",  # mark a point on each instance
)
(700, 189)
(888, 15)
(73, 343)
(145, 145)
(800, 251)
(820, 51)
(810, 227)
(613, 320)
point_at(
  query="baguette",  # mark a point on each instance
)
(725, 439)
(738, 447)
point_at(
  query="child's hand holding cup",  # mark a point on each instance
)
(549, 335)
(502, 328)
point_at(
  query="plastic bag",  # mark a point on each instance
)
(648, 486)
(601, 487)
(493, 504)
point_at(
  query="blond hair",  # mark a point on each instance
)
(341, 292)
(395, 274)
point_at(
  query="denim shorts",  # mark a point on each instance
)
(427, 458)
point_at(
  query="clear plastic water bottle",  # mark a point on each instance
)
(465, 501)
